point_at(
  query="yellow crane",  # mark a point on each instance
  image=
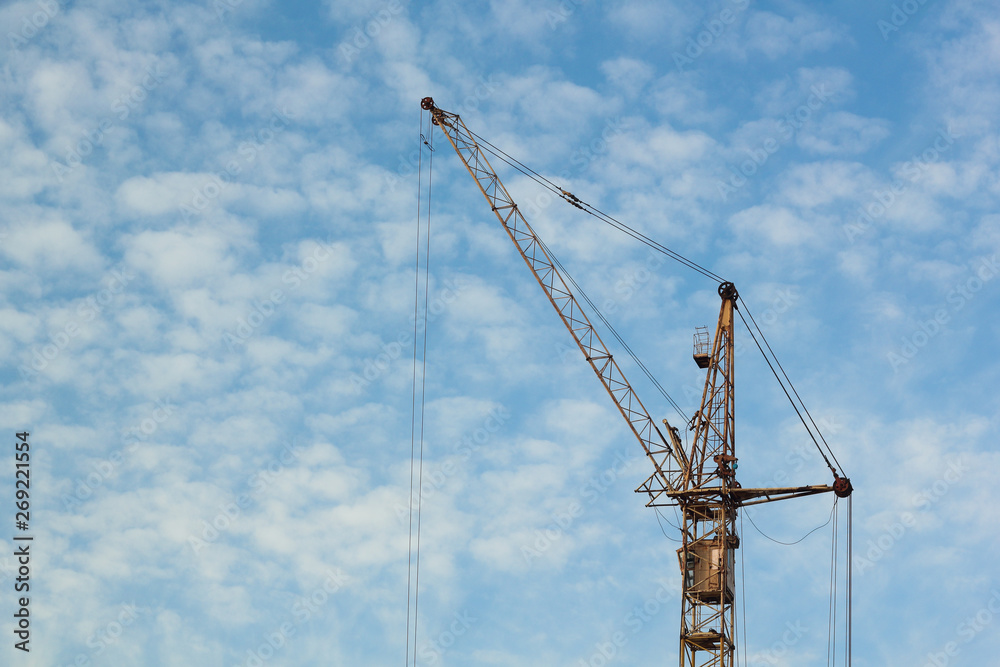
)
(699, 479)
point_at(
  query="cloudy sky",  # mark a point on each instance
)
(207, 257)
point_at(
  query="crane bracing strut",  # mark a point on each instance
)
(699, 480)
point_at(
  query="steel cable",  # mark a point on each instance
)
(417, 454)
(813, 431)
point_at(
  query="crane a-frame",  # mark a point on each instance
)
(700, 479)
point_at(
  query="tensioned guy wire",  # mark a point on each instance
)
(831, 653)
(850, 573)
(592, 210)
(792, 387)
(614, 332)
(776, 377)
(743, 586)
(758, 336)
(417, 453)
(413, 398)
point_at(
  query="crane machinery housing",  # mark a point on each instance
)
(700, 478)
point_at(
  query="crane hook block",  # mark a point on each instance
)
(842, 487)
(427, 103)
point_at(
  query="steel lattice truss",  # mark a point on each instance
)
(701, 481)
(708, 612)
(667, 471)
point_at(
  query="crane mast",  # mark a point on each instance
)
(708, 529)
(700, 481)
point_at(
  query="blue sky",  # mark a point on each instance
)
(207, 265)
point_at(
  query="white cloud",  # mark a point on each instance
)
(348, 10)
(177, 374)
(21, 414)
(662, 148)
(61, 94)
(161, 193)
(683, 100)
(50, 245)
(628, 74)
(25, 171)
(777, 225)
(551, 103)
(648, 20)
(821, 183)
(22, 327)
(185, 256)
(777, 36)
(821, 85)
(313, 93)
(963, 71)
(843, 133)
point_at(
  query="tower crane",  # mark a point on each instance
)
(699, 479)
